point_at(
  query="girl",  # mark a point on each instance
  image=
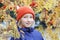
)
(25, 21)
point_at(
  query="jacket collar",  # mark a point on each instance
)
(30, 29)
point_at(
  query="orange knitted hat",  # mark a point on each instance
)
(24, 10)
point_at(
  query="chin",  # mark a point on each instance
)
(28, 26)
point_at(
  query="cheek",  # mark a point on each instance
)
(31, 20)
(23, 20)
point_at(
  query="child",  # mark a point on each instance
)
(25, 21)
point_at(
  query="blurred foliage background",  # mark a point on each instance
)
(47, 16)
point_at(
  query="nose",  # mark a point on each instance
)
(28, 19)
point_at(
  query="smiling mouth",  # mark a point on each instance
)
(28, 23)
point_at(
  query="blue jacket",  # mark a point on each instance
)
(29, 34)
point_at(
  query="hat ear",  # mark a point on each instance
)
(17, 7)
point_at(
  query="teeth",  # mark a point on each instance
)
(28, 23)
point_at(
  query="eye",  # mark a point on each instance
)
(25, 16)
(31, 17)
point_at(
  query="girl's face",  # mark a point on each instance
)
(27, 20)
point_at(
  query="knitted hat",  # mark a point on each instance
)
(24, 10)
